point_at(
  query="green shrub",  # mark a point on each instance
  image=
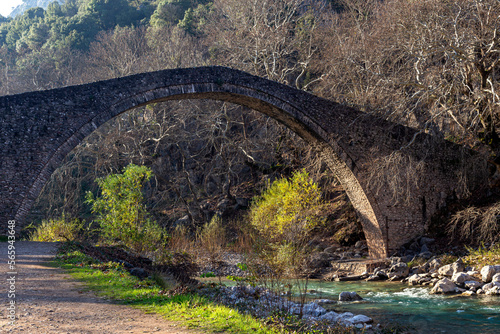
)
(61, 229)
(121, 213)
(284, 216)
(288, 209)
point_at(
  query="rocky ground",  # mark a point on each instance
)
(48, 301)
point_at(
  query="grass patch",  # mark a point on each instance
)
(191, 310)
(483, 256)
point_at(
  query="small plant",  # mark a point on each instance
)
(62, 229)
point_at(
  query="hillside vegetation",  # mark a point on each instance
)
(432, 65)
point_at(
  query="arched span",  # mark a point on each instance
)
(48, 125)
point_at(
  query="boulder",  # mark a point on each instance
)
(345, 318)
(495, 290)
(372, 278)
(460, 278)
(443, 286)
(331, 317)
(490, 286)
(496, 278)
(399, 270)
(487, 273)
(433, 265)
(382, 273)
(450, 269)
(361, 319)
(414, 279)
(347, 296)
(418, 279)
(313, 309)
(472, 285)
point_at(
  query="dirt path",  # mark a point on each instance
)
(47, 301)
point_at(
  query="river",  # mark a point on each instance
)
(396, 303)
(399, 305)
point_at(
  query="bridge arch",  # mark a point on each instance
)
(56, 121)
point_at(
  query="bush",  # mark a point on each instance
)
(61, 229)
(288, 209)
(284, 216)
(121, 213)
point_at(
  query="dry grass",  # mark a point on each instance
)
(476, 224)
(180, 240)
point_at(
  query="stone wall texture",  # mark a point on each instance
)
(38, 129)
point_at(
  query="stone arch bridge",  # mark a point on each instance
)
(395, 177)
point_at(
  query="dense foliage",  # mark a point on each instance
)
(288, 209)
(121, 213)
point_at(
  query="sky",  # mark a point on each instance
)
(6, 6)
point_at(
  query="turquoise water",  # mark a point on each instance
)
(394, 303)
(391, 303)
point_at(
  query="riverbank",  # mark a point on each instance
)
(207, 307)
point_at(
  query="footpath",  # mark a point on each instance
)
(49, 301)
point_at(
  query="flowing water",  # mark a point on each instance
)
(396, 303)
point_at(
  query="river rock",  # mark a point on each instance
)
(443, 286)
(468, 293)
(472, 285)
(325, 301)
(372, 278)
(487, 272)
(433, 265)
(418, 279)
(345, 319)
(496, 278)
(450, 269)
(460, 278)
(495, 290)
(313, 309)
(331, 316)
(347, 296)
(360, 318)
(399, 270)
(414, 279)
